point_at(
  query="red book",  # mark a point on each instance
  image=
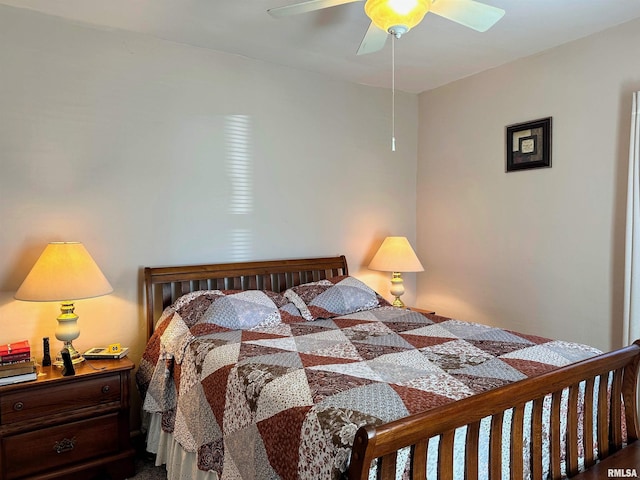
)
(16, 347)
(15, 357)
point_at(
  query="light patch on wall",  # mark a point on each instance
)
(241, 244)
(238, 140)
(240, 174)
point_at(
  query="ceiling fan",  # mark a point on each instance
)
(396, 17)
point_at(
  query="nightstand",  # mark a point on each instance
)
(421, 310)
(59, 427)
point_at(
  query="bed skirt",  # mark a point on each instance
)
(180, 464)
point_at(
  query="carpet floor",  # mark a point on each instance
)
(146, 469)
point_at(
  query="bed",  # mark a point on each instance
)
(294, 369)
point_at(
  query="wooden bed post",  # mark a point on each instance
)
(630, 397)
(362, 444)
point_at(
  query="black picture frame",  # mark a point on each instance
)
(529, 145)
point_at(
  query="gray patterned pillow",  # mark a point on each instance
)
(332, 297)
(244, 310)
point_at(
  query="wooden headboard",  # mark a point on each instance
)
(163, 285)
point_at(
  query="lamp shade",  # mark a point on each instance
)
(396, 255)
(64, 271)
(386, 14)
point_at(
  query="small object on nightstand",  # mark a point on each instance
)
(67, 369)
(46, 358)
(15, 352)
(97, 353)
(19, 377)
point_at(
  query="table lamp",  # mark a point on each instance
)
(396, 255)
(64, 272)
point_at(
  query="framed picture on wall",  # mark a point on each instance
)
(529, 145)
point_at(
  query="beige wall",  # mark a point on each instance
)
(539, 251)
(129, 144)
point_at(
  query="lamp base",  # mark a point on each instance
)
(397, 289)
(73, 353)
(68, 331)
(398, 303)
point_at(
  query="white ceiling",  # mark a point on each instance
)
(434, 53)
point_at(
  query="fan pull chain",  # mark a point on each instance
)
(393, 93)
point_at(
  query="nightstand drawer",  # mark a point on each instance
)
(49, 448)
(64, 397)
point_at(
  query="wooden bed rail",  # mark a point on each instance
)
(163, 285)
(614, 408)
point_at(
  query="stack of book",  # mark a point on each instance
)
(16, 364)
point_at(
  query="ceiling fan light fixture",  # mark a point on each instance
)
(396, 16)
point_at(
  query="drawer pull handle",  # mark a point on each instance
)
(105, 389)
(18, 406)
(65, 445)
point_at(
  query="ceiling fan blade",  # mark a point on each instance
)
(373, 40)
(469, 13)
(304, 7)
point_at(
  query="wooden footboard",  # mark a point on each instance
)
(607, 416)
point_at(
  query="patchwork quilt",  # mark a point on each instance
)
(260, 391)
